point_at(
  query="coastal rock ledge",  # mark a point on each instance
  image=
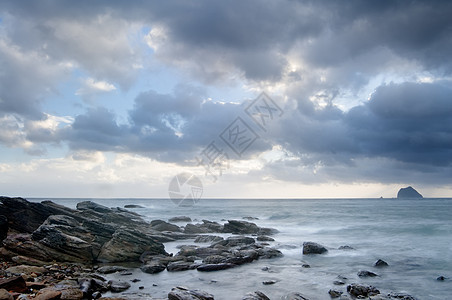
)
(408, 193)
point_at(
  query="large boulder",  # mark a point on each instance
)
(408, 193)
(313, 248)
(183, 293)
(240, 227)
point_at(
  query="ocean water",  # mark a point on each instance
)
(413, 236)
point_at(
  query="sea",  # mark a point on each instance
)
(413, 236)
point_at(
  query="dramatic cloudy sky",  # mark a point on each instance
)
(114, 98)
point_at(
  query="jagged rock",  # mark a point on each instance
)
(214, 259)
(401, 296)
(214, 267)
(16, 284)
(313, 248)
(257, 295)
(380, 263)
(180, 219)
(154, 266)
(267, 253)
(161, 225)
(128, 245)
(195, 229)
(408, 193)
(364, 273)
(240, 227)
(24, 269)
(358, 290)
(85, 205)
(180, 266)
(208, 239)
(183, 293)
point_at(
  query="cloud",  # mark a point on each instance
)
(91, 86)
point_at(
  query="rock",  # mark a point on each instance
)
(264, 238)
(380, 263)
(441, 278)
(117, 286)
(129, 245)
(307, 266)
(24, 260)
(214, 259)
(267, 252)
(194, 229)
(214, 267)
(257, 295)
(401, 296)
(294, 296)
(3, 227)
(208, 239)
(133, 206)
(267, 231)
(364, 273)
(161, 225)
(16, 284)
(180, 266)
(346, 247)
(269, 282)
(338, 282)
(153, 267)
(250, 218)
(240, 227)
(4, 295)
(111, 269)
(48, 295)
(313, 248)
(334, 293)
(180, 219)
(234, 241)
(85, 205)
(359, 290)
(183, 293)
(408, 193)
(24, 269)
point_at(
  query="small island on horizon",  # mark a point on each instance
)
(409, 193)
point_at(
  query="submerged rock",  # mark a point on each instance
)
(313, 248)
(294, 296)
(358, 290)
(257, 295)
(365, 273)
(408, 193)
(334, 293)
(381, 263)
(215, 267)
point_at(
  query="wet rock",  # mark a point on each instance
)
(240, 227)
(267, 231)
(117, 286)
(334, 293)
(24, 260)
(359, 290)
(96, 295)
(183, 293)
(195, 229)
(441, 278)
(16, 284)
(214, 259)
(264, 238)
(4, 295)
(161, 225)
(338, 282)
(401, 296)
(48, 295)
(294, 296)
(153, 267)
(257, 295)
(269, 282)
(133, 206)
(180, 266)
(93, 206)
(234, 241)
(313, 248)
(214, 267)
(364, 273)
(381, 263)
(180, 219)
(307, 266)
(111, 269)
(208, 239)
(267, 253)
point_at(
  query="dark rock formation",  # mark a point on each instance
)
(381, 263)
(294, 296)
(215, 267)
(257, 295)
(208, 239)
(133, 206)
(240, 227)
(179, 219)
(3, 227)
(161, 225)
(334, 293)
(408, 193)
(313, 248)
(364, 273)
(359, 290)
(16, 284)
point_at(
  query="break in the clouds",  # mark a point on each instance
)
(365, 86)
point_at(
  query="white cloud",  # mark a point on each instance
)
(90, 86)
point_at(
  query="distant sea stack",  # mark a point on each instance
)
(408, 193)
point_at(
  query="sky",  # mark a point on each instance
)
(273, 99)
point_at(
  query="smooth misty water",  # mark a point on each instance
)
(413, 236)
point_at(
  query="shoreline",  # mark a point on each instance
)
(241, 247)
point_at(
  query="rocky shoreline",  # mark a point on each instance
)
(49, 251)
